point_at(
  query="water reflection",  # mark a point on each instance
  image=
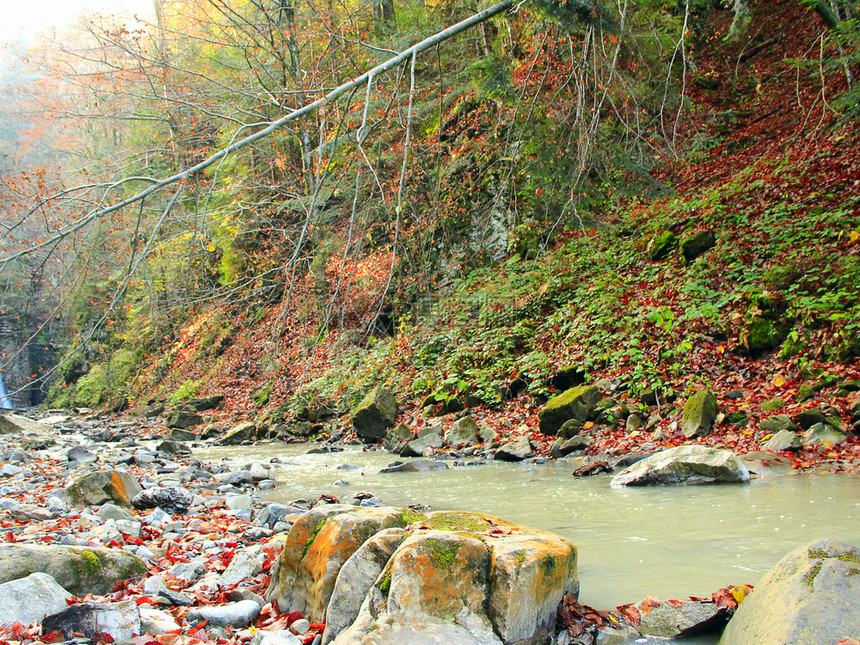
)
(672, 542)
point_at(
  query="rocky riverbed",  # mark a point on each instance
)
(114, 532)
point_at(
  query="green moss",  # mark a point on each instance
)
(443, 555)
(313, 536)
(408, 516)
(472, 523)
(385, 583)
(809, 578)
(773, 404)
(93, 562)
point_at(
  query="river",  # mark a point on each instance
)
(671, 542)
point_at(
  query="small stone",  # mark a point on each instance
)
(300, 626)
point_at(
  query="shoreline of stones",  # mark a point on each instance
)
(151, 545)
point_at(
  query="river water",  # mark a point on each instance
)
(672, 542)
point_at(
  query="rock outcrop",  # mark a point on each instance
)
(375, 415)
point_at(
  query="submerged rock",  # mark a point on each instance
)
(690, 464)
(415, 466)
(811, 596)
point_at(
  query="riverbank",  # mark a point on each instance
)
(242, 497)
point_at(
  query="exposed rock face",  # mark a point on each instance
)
(182, 419)
(375, 415)
(30, 599)
(812, 595)
(16, 424)
(576, 403)
(108, 486)
(246, 431)
(700, 412)
(79, 570)
(463, 577)
(684, 465)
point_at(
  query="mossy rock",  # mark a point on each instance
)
(762, 335)
(662, 245)
(375, 415)
(695, 245)
(778, 423)
(576, 403)
(700, 413)
(240, 433)
(262, 396)
(773, 404)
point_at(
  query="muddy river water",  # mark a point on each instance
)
(671, 542)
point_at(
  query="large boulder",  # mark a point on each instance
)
(576, 403)
(695, 245)
(691, 464)
(427, 438)
(240, 433)
(700, 412)
(79, 570)
(408, 577)
(356, 577)
(464, 433)
(182, 419)
(467, 578)
(317, 546)
(516, 450)
(375, 415)
(29, 600)
(811, 596)
(92, 489)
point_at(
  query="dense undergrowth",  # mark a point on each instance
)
(737, 267)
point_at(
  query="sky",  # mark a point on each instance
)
(23, 20)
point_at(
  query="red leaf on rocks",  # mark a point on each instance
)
(648, 604)
(101, 638)
(292, 617)
(676, 603)
(631, 614)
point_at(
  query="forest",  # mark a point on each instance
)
(551, 257)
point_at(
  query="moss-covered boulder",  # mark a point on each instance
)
(778, 423)
(240, 433)
(700, 413)
(375, 414)
(463, 433)
(811, 596)
(576, 403)
(697, 244)
(79, 570)
(661, 246)
(317, 546)
(115, 486)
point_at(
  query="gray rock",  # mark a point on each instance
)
(280, 637)
(464, 433)
(822, 435)
(235, 614)
(239, 502)
(171, 499)
(811, 596)
(690, 464)
(427, 438)
(121, 620)
(15, 456)
(782, 441)
(241, 567)
(190, 571)
(700, 412)
(375, 415)
(156, 622)
(28, 600)
(516, 450)
(178, 434)
(237, 478)
(245, 431)
(107, 486)
(169, 447)
(113, 512)
(183, 419)
(10, 470)
(81, 455)
(31, 513)
(778, 423)
(300, 626)
(80, 570)
(258, 472)
(415, 466)
(17, 424)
